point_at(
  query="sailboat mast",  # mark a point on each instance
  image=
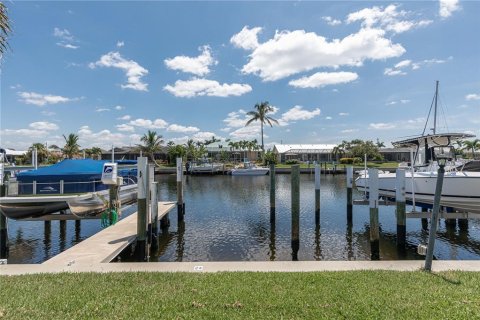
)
(435, 111)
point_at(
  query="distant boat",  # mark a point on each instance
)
(73, 184)
(249, 169)
(461, 184)
(202, 167)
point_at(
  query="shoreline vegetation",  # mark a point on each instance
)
(243, 295)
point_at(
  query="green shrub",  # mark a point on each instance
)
(357, 160)
(346, 160)
(292, 161)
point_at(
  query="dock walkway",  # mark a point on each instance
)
(104, 246)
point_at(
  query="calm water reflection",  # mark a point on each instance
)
(228, 218)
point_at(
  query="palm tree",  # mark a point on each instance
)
(41, 151)
(471, 145)
(261, 114)
(152, 143)
(71, 147)
(190, 145)
(4, 28)
(96, 151)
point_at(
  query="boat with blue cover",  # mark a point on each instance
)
(73, 184)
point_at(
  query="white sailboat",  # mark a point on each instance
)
(461, 185)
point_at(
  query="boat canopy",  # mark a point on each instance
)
(432, 140)
(78, 175)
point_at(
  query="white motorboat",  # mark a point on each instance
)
(249, 169)
(206, 167)
(461, 184)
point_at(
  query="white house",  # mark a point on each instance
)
(304, 152)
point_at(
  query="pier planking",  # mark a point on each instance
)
(104, 246)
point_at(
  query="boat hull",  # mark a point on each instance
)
(460, 191)
(90, 204)
(250, 172)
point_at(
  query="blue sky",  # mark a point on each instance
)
(110, 71)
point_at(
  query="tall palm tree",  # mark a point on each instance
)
(96, 151)
(5, 28)
(471, 145)
(41, 151)
(190, 146)
(71, 147)
(261, 114)
(152, 143)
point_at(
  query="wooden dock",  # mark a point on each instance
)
(104, 246)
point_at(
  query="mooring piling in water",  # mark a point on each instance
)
(401, 207)
(295, 189)
(151, 178)
(180, 202)
(3, 226)
(272, 192)
(142, 178)
(463, 224)
(373, 203)
(349, 194)
(317, 194)
(154, 211)
(424, 220)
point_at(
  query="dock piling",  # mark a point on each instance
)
(151, 178)
(141, 246)
(373, 202)
(272, 192)
(317, 194)
(349, 194)
(295, 189)
(400, 212)
(180, 203)
(154, 213)
(3, 228)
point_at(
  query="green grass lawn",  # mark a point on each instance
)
(327, 295)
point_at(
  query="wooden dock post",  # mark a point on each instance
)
(317, 194)
(142, 178)
(3, 225)
(463, 224)
(180, 203)
(424, 220)
(349, 194)
(373, 202)
(295, 189)
(151, 178)
(154, 213)
(401, 214)
(272, 192)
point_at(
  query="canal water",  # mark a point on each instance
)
(228, 219)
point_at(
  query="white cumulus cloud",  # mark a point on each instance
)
(381, 126)
(291, 52)
(149, 124)
(322, 79)
(246, 39)
(388, 18)
(472, 96)
(125, 127)
(447, 7)
(298, 113)
(39, 99)
(198, 65)
(120, 44)
(133, 71)
(125, 117)
(183, 129)
(43, 125)
(331, 21)
(205, 87)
